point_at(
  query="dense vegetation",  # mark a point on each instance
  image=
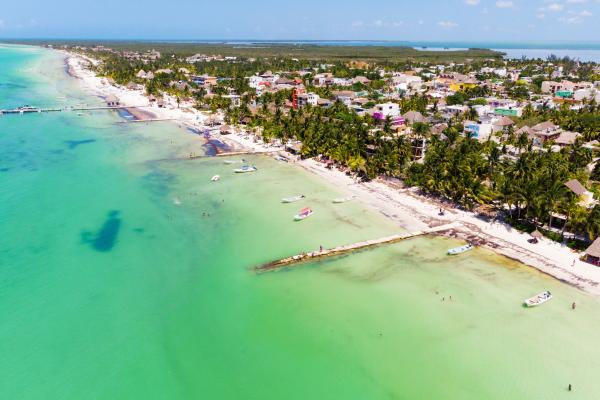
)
(298, 51)
(528, 186)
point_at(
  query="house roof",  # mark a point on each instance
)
(594, 249)
(576, 187)
(526, 130)
(544, 126)
(414, 116)
(345, 93)
(504, 121)
(567, 138)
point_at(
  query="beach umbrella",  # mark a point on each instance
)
(537, 234)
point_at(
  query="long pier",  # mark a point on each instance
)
(134, 121)
(35, 110)
(249, 152)
(336, 251)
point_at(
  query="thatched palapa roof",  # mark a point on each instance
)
(537, 234)
(594, 249)
(576, 187)
(504, 121)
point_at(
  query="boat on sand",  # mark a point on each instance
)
(303, 214)
(538, 300)
(459, 250)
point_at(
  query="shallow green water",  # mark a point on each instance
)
(126, 274)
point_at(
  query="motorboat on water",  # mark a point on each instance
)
(176, 201)
(459, 250)
(303, 214)
(343, 199)
(232, 161)
(293, 199)
(215, 178)
(279, 157)
(244, 169)
(538, 300)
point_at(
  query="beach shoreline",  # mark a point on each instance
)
(405, 207)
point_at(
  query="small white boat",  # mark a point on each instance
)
(215, 178)
(303, 214)
(232, 162)
(279, 157)
(293, 199)
(244, 169)
(176, 201)
(459, 250)
(343, 199)
(538, 300)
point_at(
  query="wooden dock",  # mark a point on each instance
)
(336, 251)
(69, 108)
(249, 152)
(138, 121)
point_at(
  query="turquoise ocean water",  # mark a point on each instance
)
(125, 273)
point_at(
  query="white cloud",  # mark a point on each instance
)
(505, 4)
(448, 24)
(571, 20)
(575, 18)
(472, 2)
(378, 23)
(577, 1)
(555, 7)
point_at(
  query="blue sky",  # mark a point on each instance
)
(426, 20)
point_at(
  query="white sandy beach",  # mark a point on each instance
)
(184, 113)
(408, 209)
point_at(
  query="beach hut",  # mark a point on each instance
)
(112, 101)
(592, 254)
(537, 234)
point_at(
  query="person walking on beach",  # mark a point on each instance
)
(570, 387)
(573, 306)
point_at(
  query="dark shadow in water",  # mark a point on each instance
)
(158, 182)
(106, 237)
(213, 147)
(4, 169)
(11, 85)
(74, 143)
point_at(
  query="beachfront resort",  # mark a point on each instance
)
(514, 141)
